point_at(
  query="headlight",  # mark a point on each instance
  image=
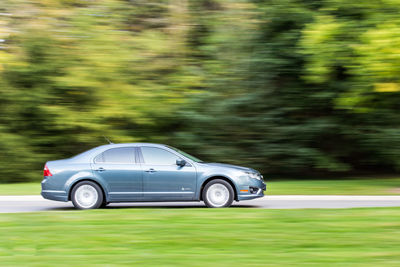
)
(255, 175)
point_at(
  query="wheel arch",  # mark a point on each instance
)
(71, 187)
(209, 179)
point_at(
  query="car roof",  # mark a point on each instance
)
(132, 144)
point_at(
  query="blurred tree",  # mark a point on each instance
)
(288, 87)
(300, 101)
(351, 49)
(76, 71)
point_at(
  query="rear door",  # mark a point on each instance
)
(163, 179)
(118, 168)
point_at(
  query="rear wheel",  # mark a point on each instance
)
(218, 194)
(87, 195)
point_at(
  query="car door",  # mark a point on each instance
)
(123, 176)
(163, 179)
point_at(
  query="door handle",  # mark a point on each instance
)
(101, 169)
(151, 170)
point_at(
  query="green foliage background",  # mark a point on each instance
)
(288, 87)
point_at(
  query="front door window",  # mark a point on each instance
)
(158, 156)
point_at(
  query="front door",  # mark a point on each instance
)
(164, 180)
(123, 176)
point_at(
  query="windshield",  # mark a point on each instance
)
(186, 154)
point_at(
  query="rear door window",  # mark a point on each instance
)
(120, 155)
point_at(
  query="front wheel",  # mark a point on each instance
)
(87, 195)
(218, 194)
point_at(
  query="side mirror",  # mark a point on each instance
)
(180, 162)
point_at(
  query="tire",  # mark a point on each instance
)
(218, 194)
(87, 195)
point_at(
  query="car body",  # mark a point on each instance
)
(139, 172)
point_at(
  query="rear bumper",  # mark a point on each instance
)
(53, 194)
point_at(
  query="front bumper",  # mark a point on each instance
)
(254, 189)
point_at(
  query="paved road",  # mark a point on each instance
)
(10, 204)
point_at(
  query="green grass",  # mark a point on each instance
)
(202, 237)
(370, 186)
(20, 189)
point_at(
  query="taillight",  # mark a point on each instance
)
(46, 171)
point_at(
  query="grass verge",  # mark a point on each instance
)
(370, 186)
(202, 237)
(20, 189)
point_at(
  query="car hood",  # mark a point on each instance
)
(223, 165)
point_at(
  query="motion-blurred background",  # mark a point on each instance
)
(293, 88)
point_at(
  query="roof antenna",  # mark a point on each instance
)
(108, 140)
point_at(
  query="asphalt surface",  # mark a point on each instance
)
(12, 204)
